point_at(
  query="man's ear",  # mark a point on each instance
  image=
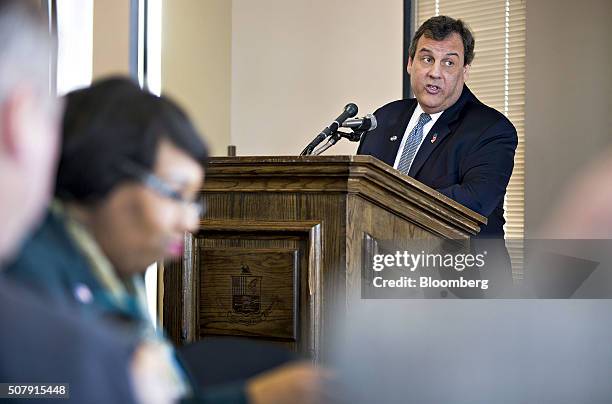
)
(14, 113)
(409, 65)
(8, 137)
(466, 72)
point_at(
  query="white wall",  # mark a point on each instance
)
(196, 64)
(268, 75)
(111, 38)
(568, 110)
(295, 64)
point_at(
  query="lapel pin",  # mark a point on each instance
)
(434, 137)
(83, 294)
(393, 138)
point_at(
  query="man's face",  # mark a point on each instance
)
(437, 73)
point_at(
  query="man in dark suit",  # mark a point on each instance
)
(445, 137)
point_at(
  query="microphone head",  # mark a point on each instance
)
(351, 109)
(373, 121)
(365, 124)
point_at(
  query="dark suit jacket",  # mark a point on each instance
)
(52, 264)
(468, 155)
(46, 343)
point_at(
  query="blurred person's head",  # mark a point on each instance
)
(439, 60)
(28, 124)
(131, 167)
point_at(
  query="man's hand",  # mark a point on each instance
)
(294, 383)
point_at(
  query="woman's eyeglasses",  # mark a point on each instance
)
(163, 188)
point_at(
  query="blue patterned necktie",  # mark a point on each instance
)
(412, 144)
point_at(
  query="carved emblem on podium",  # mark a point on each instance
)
(246, 292)
(249, 292)
(246, 299)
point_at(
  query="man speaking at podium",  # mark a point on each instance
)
(446, 138)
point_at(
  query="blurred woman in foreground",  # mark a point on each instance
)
(129, 176)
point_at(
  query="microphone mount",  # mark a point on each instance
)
(354, 136)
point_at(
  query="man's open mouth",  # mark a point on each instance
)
(432, 89)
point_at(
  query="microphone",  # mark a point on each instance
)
(350, 110)
(365, 124)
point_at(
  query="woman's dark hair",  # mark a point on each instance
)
(111, 124)
(441, 27)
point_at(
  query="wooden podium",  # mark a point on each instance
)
(284, 237)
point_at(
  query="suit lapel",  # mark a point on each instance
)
(397, 132)
(438, 132)
(435, 136)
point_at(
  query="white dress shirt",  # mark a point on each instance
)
(413, 122)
